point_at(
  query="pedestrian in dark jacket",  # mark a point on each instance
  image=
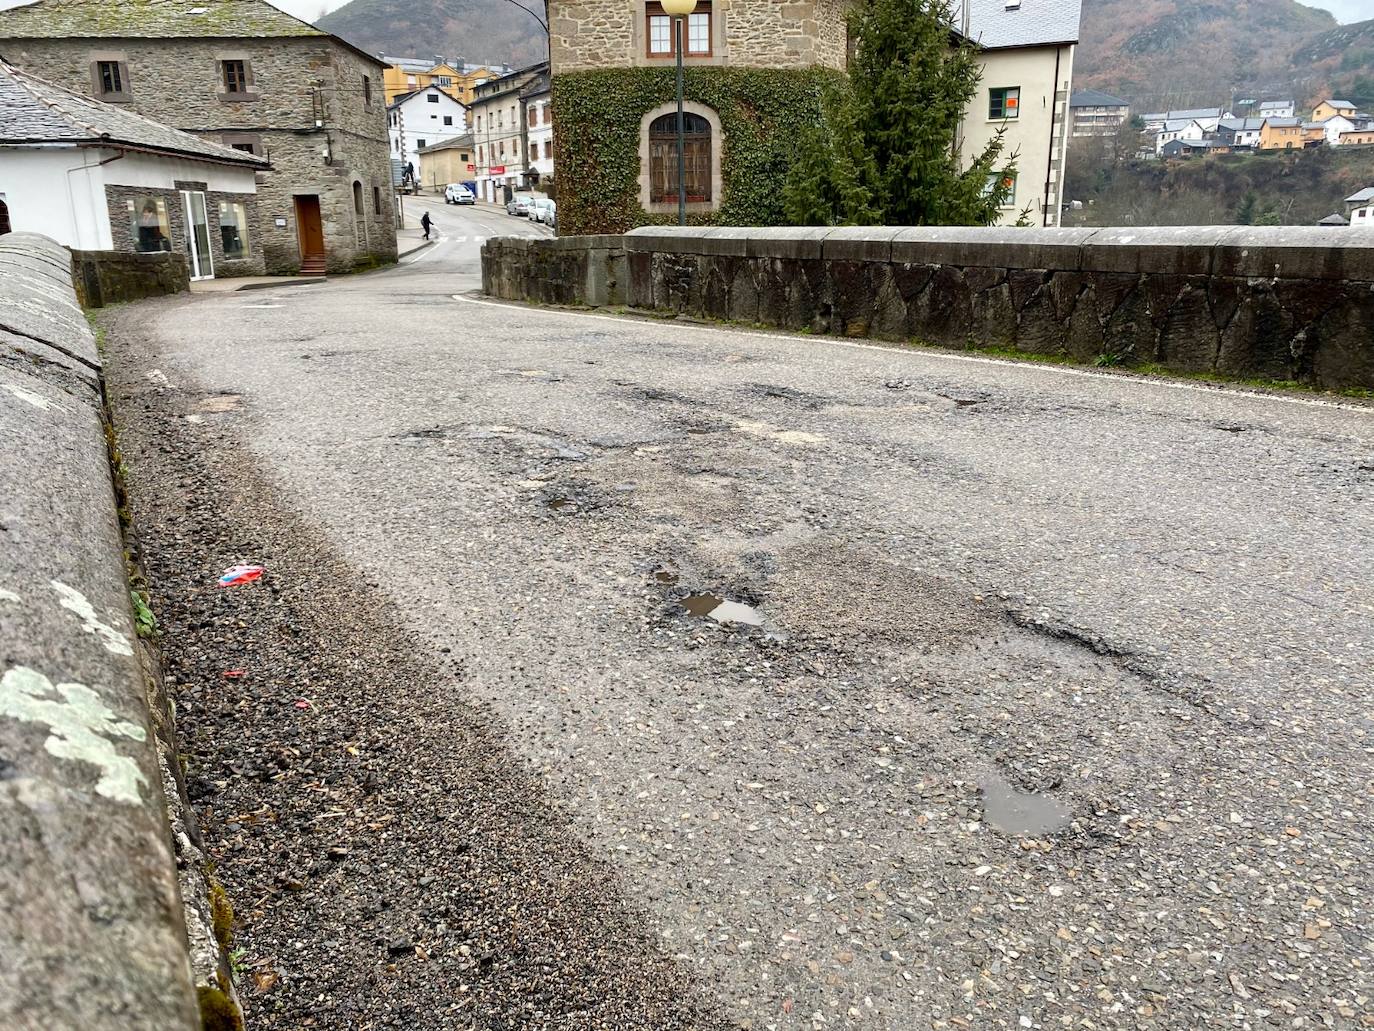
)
(426, 224)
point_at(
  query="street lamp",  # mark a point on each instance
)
(679, 10)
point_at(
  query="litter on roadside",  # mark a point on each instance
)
(236, 575)
(234, 674)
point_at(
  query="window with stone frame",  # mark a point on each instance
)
(367, 91)
(110, 79)
(663, 158)
(660, 32)
(249, 143)
(235, 76)
(236, 80)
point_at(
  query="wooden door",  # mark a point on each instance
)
(309, 226)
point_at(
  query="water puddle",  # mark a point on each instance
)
(667, 577)
(720, 610)
(1019, 812)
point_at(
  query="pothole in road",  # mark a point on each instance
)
(666, 575)
(219, 404)
(1021, 812)
(563, 506)
(722, 611)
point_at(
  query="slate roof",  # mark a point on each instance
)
(1035, 23)
(457, 143)
(401, 98)
(1095, 98)
(1362, 195)
(1242, 124)
(35, 111)
(1275, 105)
(1284, 123)
(1334, 219)
(160, 19)
(1177, 125)
(1340, 103)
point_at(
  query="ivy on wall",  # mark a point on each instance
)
(762, 114)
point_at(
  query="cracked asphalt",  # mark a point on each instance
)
(1057, 715)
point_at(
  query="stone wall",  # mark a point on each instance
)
(111, 277)
(575, 270)
(92, 931)
(1292, 304)
(294, 82)
(589, 34)
(122, 229)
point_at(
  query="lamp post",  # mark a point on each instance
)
(679, 10)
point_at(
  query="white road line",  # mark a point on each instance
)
(428, 252)
(972, 359)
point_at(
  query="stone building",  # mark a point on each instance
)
(755, 73)
(241, 73)
(132, 185)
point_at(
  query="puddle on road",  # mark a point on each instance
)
(720, 610)
(1020, 812)
(666, 576)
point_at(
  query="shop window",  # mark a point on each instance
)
(233, 229)
(148, 224)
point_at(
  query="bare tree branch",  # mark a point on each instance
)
(542, 24)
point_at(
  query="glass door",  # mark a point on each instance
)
(198, 235)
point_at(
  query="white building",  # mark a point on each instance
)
(500, 133)
(1240, 132)
(1207, 117)
(97, 177)
(1027, 77)
(423, 118)
(1182, 129)
(1277, 109)
(538, 101)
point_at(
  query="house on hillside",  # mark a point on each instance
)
(1359, 199)
(421, 119)
(1207, 117)
(98, 177)
(1182, 129)
(749, 63)
(1282, 134)
(1330, 108)
(1277, 109)
(1360, 137)
(1240, 133)
(243, 74)
(1095, 113)
(1190, 148)
(500, 132)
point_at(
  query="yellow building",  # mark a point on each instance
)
(1331, 108)
(449, 162)
(1282, 134)
(407, 74)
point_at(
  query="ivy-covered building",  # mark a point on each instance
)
(754, 76)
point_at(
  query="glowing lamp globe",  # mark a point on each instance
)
(679, 8)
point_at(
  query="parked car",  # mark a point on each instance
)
(457, 193)
(542, 210)
(519, 205)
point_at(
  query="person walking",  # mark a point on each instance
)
(426, 224)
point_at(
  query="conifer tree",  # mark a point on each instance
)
(890, 152)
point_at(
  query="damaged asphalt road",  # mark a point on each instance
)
(1055, 715)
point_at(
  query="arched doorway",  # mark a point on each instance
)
(663, 161)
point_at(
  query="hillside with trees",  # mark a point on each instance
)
(476, 31)
(1163, 54)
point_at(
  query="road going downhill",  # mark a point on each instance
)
(1042, 700)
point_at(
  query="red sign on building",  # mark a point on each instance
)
(497, 170)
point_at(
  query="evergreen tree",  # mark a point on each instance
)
(1245, 210)
(890, 152)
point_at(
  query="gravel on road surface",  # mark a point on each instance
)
(1039, 700)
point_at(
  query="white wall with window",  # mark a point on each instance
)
(539, 131)
(1020, 95)
(423, 119)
